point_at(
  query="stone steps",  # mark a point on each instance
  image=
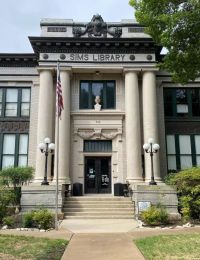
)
(99, 205)
(97, 209)
(88, 207)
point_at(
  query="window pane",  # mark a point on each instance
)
(7, 161)
(185, 144)
(110, 95)
(197, 144)
(9, 144)
(195, 93)
(26, 95)
(168, 102)
(11, 109)
(171, 162)
(84, 95)
(25, 109)
(97, 90)
(22, 160)
(186, 162)
(23, 144)
(1, 94)
(181, 96)
(11, 95)
(198, 160)
(0, 109)
(171, 144)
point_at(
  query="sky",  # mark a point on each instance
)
(21, 18)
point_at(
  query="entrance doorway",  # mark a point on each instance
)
(97, 174)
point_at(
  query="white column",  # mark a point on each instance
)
(45, 117)
(150, 122)
(133, 138)
(64, 152)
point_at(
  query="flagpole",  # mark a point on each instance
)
(57, 152)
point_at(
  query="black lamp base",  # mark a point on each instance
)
(44, 182)
(152, 183)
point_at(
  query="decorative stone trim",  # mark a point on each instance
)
(97, 133)
(14, 127)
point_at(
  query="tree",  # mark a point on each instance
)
(174, 25)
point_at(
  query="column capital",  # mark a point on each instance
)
(45, 68)
(149, 69)
(135, 70)
(67, 69)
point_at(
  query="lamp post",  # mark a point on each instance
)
(46, 148)
(151, 148)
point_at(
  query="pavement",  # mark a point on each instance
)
(102, 246)
(101, 239)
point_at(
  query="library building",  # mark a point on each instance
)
(118, 107)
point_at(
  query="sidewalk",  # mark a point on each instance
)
(102, 247)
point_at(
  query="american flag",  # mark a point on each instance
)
(59, 97)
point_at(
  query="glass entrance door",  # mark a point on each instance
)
(97, 175)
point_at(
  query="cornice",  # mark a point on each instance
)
(18, 60)
(92, 45)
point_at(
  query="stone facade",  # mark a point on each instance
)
(118, 52)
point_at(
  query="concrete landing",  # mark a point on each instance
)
(102, 246)
(99, 225)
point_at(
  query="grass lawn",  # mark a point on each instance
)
(171, 247)
(24, 247)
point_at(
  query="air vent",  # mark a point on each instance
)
(135, 29)
(56, 29)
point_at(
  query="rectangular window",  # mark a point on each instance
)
(8, 156)
(15, 102)
(98, 146)
(171, 152)
(168, 102)
(23, 150)
(183, 151)
(25, 102)
(11, 102)
(14, 150)
(197, 149)
(182, 102)
(195, 96)
(104, 89)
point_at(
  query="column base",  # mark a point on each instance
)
(157, 180)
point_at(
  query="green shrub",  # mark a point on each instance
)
(155, 215)
(41, 218)
(28, 219)
(187, 183)
(6, 199)
(16, 176)
(9, 221)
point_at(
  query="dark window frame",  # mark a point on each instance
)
(177, 150)
(174, 103)
(90, 97)
(16, 154)
(19, 102)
